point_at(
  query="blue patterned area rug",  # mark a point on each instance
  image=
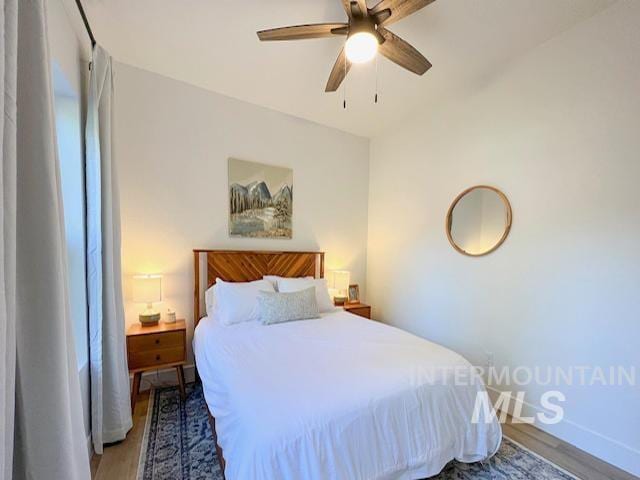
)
(178, 445)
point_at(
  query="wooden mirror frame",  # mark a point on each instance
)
(507, 227)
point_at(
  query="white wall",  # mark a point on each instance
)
(559, 132)
(172, 142)
(69, 70)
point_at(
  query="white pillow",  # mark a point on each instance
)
(210, 299)
(274, 280)
(322, 292)
(237, 302)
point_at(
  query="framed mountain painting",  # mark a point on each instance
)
(260, 200)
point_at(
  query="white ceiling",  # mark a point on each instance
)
(212, 44)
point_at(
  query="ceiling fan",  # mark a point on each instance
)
(366, 33)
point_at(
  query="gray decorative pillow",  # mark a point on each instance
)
(277, 307)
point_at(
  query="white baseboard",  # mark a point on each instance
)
(164, 378)
(605, 448)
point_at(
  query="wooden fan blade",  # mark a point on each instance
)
(346, 4)
(355, 8)
(301, 32)
(400, 52)
(362, 5)
(339, 71)
(398, 9)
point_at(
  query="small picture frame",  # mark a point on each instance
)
(354, 294)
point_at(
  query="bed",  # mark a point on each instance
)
(339, 397)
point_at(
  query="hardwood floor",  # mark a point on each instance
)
(566, 456)
(120, 461)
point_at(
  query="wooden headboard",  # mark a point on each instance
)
(247, 265)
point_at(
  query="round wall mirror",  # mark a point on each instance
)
(479, 220)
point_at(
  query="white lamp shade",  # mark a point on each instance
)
(147, 288)
(339, 280)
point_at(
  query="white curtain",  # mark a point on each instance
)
(8, 77)
(45, 424)
(110, 401)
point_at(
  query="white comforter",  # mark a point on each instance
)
(340, 397)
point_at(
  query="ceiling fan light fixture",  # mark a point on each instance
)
(367, 35)
(361, 47)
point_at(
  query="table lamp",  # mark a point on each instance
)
(338, 282)
(148, 289)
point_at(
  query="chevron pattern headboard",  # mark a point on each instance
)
(247, 265)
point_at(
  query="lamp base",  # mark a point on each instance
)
(149, 319)
(339, 301)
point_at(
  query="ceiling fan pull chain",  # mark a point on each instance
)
(344, 85)
(376, 97)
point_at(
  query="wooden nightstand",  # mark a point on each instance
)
(152, 348)
(360, 309)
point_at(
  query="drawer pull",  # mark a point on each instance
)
(158, 341)
(157, 357)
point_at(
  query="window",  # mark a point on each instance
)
(70, 151)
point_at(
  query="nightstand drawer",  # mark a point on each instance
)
(155, 341)
(155, 357)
